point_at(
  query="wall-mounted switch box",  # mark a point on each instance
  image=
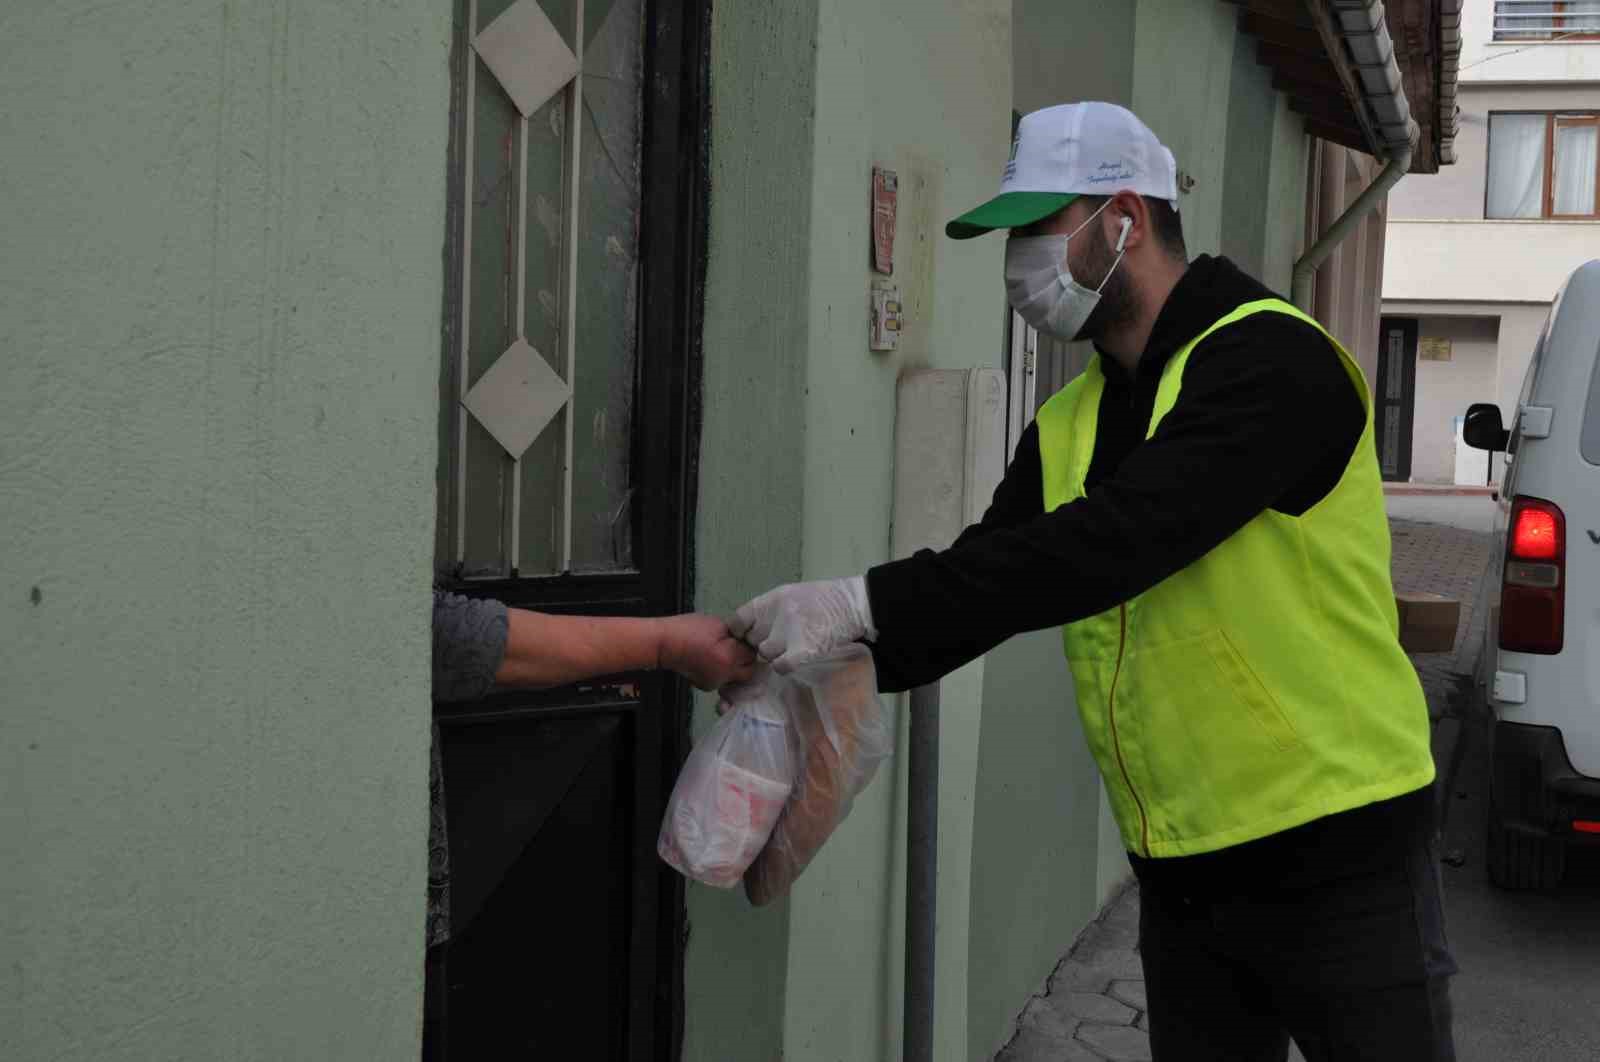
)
(886, 316)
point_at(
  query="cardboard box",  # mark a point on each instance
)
(1428, 622)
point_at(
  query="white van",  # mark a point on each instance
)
(1543, 637)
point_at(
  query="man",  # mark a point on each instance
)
(1201, 511)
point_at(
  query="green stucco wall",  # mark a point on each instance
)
(1248, 165)
(752, 487)
(220, 282)
(1182, 71)
(1066, 50)
(1264, 192)
(797, 450)
(1197, 84)
(1285, 197)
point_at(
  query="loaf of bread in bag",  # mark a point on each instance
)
(833, 769)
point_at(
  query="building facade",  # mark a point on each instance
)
(1477, 252)
(565, 301)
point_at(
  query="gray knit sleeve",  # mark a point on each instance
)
(469, 641)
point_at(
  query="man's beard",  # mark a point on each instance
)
(1116, 305)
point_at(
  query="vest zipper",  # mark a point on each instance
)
(1116, 741)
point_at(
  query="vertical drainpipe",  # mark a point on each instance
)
(1306, 268)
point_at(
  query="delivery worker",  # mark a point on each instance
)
(1201, 512)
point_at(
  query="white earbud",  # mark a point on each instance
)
(1122, 237)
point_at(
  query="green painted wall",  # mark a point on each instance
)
(1264, 194)
(1252, 104)
(1285, 197)
(797, 451)
(1197, 84)
(1182, 72)
(752, 487)
(1066, 50)
(220, 290)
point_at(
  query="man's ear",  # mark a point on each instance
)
(1132, 220)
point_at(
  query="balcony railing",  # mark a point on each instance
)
(1546, 20)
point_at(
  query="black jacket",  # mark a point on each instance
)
(1267, 419)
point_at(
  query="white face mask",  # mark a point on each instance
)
(1040, 285)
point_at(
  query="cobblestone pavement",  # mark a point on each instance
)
(1093, 1007)
(1444, 560)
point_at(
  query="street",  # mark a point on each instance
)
(1529, 987)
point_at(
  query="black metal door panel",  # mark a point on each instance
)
(541, 883)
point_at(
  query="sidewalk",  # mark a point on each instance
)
(1443, 560)
(1092, 1009)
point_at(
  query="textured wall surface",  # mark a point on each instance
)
(1446, 388)
(1066, 50)
(220, 281)
(797, 450)
(752, 493)
(1182, 74)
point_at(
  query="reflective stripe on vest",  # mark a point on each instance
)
(1261, 687)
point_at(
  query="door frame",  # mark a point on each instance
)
(674, 188)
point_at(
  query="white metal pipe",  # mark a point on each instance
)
(1305, 270)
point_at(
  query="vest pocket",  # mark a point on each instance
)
(1205, 742)
(1237, 676)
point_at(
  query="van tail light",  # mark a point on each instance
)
(1533, 596)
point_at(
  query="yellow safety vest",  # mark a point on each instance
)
(1261, 687)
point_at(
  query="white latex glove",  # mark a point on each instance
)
(801, 622)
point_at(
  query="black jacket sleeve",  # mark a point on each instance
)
(1018, 500)
(1267, 418)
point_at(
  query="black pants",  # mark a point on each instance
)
(1354, 967)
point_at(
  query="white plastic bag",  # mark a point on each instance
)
(733, 786)
(776, 775)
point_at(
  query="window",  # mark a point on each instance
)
(541, 441)
(1546, 20)
(1543, 166)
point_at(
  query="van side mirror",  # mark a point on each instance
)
(1483, 428)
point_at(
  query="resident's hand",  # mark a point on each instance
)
(802, 622)
(701, 649)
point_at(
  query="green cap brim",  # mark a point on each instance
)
(1008, 210)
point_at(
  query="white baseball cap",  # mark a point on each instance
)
(1070, 150)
